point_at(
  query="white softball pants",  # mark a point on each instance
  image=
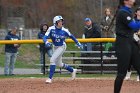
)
(56, 58)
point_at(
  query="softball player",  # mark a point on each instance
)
(127, 49)
(137, 19)
(58, 33)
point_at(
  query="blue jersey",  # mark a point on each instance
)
(58, 36)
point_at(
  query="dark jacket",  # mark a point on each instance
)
(10, 48)
(122, 21)
(40, 36)
(92, 32)
(41, 45)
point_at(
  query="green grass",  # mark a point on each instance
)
(29, 55)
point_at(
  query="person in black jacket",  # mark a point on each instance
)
(127, 49)
(11, 52)
(91, 30)
(48, 50)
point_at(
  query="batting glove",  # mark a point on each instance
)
(80, 46)
(48, 44)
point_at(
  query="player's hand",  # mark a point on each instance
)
(80, 46)
(136, 37)
(48, 45)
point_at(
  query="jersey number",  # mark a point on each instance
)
(57, 40)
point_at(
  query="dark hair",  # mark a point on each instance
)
(137, 9)
(121, 2)
(41, 26)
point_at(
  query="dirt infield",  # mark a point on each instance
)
(61, 85)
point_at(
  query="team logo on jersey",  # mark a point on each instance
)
(128, 18)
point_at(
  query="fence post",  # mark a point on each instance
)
(73, 55)
(30, 34)
(44, 59)
(101, 50)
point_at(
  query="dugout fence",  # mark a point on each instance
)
(99, 63)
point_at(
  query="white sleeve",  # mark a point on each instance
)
(68, 32)
(48, 32)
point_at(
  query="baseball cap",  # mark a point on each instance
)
(14, 28)
(87, 19)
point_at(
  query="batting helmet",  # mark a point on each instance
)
(57, 18)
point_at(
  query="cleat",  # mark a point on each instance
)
(41, 73)
(138, 79)
(74, 74)
(48, 81)
(128, 76)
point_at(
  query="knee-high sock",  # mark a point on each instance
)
(65, 66)
(52, 70)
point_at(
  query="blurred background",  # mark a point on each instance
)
(28, 14)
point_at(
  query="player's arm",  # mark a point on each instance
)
(134, 25)
(46, 36)
(128, 20)
(74, 39)
(45, 39)
(71, 36)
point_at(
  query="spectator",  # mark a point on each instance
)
(91, 30)
(106, 23)
(106, 32)
(48, 50)
(11, 52)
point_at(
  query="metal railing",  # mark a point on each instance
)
(67, 40)
(102, 40)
